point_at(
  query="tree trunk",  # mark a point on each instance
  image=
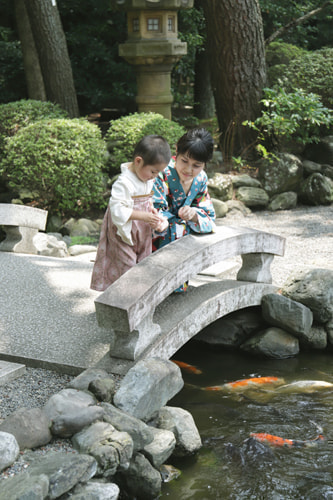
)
(237, 61)
(204, 105)
(33, 73)
(53, 55)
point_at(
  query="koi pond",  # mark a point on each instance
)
(233, 465)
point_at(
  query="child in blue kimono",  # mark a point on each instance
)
(181, 192)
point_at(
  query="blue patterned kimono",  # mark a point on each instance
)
(169, 197)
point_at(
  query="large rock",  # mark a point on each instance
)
(148, 386)
(23, 486)
(315, 339)
(160, 449)
(180, 422)
(140, 432)
(252, 196)
(233, 329)
(283, 201)
(82, 381)
(80, 227)
(110, 448)
(245, 180)
(237, 206)
(272, 343)
(31, 427)
(63, 470)
(71, 410)
(95, 490)
(50, 245)
(220, 186)
(282, 175)
(220, 207)
(321, 152)
(287, 314)
(316, 190)
(314, 289)
(311, 167)
(9, 450)
(141, 480)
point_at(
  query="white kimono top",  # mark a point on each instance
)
(121, 202)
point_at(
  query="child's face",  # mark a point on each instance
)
(147, 172)
(188, 168)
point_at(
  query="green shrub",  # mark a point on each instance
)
(18, 114)
(62, 160)
(278, 57)
(295, 116)
(125, 132)
(312, 72)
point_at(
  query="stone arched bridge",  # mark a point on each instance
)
(146, 319)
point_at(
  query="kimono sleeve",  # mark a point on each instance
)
(204, 208)
(121, 207)
(161, 195)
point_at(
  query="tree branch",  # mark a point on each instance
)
(296, 22)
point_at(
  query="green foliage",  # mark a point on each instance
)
(278, 57)
(313, 34)
(12, 81)
(18, 114)
(313, 72)
(295, 116)
(192, 30)
(93, 33)
(60, 159)
(125, 132)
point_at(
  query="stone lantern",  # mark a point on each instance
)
(153, 47)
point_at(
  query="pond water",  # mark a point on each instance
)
(232, 466)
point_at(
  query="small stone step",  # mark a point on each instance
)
(10, 371)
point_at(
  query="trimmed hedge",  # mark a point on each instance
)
(62, 160)
(18, 114)
(125, 132)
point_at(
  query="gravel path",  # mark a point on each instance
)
(309, 234)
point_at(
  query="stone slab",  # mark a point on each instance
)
(10, 371)
(22, 215)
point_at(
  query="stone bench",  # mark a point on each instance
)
(21, 223)
(142, 313)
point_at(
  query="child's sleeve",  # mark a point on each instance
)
(204, 208)
(121, 207)
(161, 195)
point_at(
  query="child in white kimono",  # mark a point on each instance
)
(126, 233)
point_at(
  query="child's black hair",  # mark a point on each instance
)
(153, 149)
(197, 144)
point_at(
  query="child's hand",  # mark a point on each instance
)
(187, 213)
(162, 225)
(152, 219)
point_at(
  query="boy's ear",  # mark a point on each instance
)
(138, 160)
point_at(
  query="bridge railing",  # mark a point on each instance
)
(127, 307)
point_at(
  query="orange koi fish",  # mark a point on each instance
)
(188, 368)
(247, 383)
(278, 441)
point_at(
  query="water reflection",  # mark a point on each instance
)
(232, 466)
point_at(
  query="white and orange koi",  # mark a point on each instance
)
(248, 383)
